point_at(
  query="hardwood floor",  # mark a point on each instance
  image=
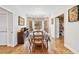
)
(59, 49)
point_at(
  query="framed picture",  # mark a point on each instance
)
(21, 21)
(73, 14)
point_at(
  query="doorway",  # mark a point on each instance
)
(59, 26)
(59, 30)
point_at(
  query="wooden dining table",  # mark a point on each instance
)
(38, 38)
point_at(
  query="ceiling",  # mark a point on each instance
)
(39, 9)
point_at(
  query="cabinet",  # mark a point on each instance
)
(20, 37)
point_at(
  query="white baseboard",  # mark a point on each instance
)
(74, 51)
(11, 45)
(2, 44)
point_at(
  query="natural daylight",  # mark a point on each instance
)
(39, 29)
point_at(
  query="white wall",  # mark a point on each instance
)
(71, 31)
(52, 27)
(16, 12)
(71, 34)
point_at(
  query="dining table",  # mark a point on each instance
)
(38, 38)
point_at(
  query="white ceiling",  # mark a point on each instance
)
(46, 10)
(41, 9)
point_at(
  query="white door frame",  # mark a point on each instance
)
(56, 27)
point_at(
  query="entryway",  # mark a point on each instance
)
(59, 31)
